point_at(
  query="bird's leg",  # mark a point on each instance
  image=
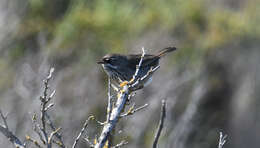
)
(122, 84)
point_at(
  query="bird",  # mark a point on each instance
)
(121, 68)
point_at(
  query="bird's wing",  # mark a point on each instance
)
(148, 60)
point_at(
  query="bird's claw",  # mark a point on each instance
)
(124, 83)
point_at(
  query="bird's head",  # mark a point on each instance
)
(112, 61)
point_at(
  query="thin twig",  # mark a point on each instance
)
(49, 106)
(151, 71)
(39, 133)
(4, 119)
(131, 111)
(8, 134)
(51, 95)
(160, 126)
(109, 109)
(51, 135)
(139, 65)
(99, 122)
(57, 135)
(37, 128)
(35, 142)
(44, 101)
(89, 142)
(45, 118)
(59, 143)
(109, 101)
(82, 131)
(122, 143)
(222, 140)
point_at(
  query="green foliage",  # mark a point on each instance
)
(106, 25)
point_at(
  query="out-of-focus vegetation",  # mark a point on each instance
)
(218, 44)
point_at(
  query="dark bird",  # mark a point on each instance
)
(121, 68)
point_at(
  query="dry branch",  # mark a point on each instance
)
(82, 131)
(122, 143)
(160, 126)
(222, 140)
(35, 142)
(8, 134)
(89, 142)
(131, 111)
(57, 135)
(109, 101)
(108, 127)
(40, 127)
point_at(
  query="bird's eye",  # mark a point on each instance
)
(106, 59)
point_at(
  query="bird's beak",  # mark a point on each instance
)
(101, 61)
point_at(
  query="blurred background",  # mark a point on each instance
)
(211, 83)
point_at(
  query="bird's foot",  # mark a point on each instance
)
(124, 83)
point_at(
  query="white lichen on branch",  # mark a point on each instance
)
(116, 111)
(222, 140)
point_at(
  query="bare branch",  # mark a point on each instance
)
(4, 119)
(51, 135)
(8, 134)
(121, 101)
(36, 143)
(52, 94)
(151, 71)
(82, 131)
(99, 122)
(222, 140)
(139, 65)
(131, 111)
(40, 128)
(160, 126)
(122, 143)
(88, 141)
(37, 128)
(59, 143)
(50, 73)
(109, 101)
(49, 106)
(44, 101)
(57, 135)
(109, 108)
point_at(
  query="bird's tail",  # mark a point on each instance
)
(165, 51)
